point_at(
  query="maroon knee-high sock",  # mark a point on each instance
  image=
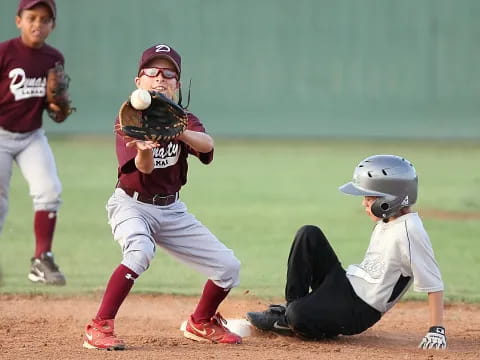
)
(44, 227)
(117, 290)
(208, 304)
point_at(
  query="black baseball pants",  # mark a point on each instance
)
(320, 300)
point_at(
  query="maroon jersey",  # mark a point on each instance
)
(23, 78)
(170, 161)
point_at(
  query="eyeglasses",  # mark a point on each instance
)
(154, 71)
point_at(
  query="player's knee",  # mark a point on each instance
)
(138, 254)
(230, 275)
(48, 199)
(233, 267)
(138, 260)
(309, 231)
(310, 235)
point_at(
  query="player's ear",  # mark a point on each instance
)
(137, 81)
(179, 84)
(18, 19)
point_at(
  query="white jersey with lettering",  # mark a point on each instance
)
(399, 253)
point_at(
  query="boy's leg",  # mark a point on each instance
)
(332, 307)
(311, 258)
(118, 287)
(37, 164)
(99, 333)
(207, 325)
(6, 163)
(326, 311)
(210, 299)
(184, 237)
(138, 250)
(44, 223)
(10, 145)
(188, 240)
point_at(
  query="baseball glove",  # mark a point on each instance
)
(58, 97)
(161, 122)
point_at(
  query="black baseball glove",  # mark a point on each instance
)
(161, 122)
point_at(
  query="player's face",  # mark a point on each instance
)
(367, 203)
(35, 25)
(161, 83)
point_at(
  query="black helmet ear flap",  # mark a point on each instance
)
(387, 206)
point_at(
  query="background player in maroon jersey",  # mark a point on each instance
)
(145, 212)
(24, 63)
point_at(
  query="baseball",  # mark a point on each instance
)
(140, 99)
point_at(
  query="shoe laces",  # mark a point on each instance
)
(47, 260)
(104, 326)
(279, 309)
(219, 320)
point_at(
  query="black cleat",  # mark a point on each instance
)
(44, 270)
(272, 319)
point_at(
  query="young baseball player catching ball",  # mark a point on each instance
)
(26, 62)
(145, 212)
(323, 300)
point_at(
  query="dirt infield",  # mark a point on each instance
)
(38, 327)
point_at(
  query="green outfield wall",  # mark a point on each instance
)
(307, 68)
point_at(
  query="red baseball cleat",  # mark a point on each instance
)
(99, 335)
(211, 331)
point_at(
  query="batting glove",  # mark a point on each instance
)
(435, 339)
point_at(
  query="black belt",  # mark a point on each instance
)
(157, 199)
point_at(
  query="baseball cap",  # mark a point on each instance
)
(161, 50)
(28, 4)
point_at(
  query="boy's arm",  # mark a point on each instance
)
(144, 157)
(435, 337)
(435, 304)
(198, 141)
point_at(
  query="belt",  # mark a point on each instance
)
(157, 199)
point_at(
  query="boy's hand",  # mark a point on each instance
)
(435, 339)
(141, 144)
(162, 121)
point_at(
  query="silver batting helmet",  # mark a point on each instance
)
(392, 178)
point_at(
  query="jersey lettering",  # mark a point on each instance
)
(23, 88)
(166, 156)
(373, 265)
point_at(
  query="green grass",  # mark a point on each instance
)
(254, 196)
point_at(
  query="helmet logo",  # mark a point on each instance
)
(405, 201)
(162, 48)
(356, 178)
